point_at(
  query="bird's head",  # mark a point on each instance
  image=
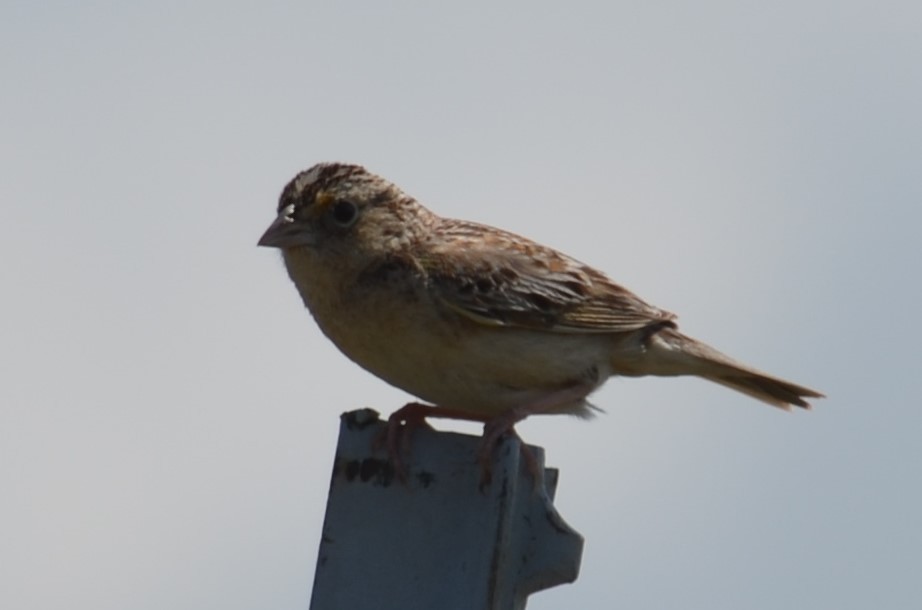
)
(343, 209)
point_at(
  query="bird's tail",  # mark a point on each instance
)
(669, 352)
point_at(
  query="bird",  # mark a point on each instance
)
(478, 322)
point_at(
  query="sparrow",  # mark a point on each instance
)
(481, 323)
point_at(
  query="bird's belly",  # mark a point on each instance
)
(454, 362)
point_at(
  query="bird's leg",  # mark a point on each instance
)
(496, 427)
(484, 453)
(403, 421)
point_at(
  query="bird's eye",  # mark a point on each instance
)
(344, 213)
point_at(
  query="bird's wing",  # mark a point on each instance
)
(500, 279)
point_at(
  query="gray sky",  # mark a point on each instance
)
(168, 410)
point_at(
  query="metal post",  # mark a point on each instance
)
(438, 541)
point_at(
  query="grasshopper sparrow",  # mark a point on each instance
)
(485, 324)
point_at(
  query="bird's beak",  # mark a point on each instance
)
(285, 232)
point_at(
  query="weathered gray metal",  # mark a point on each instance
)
(438, 541)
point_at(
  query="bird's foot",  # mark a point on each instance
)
(395, 438)
(493, 433)
(406, 420)
(403, 422)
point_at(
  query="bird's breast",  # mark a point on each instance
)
(399, 332)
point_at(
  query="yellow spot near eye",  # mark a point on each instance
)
(322, 201)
